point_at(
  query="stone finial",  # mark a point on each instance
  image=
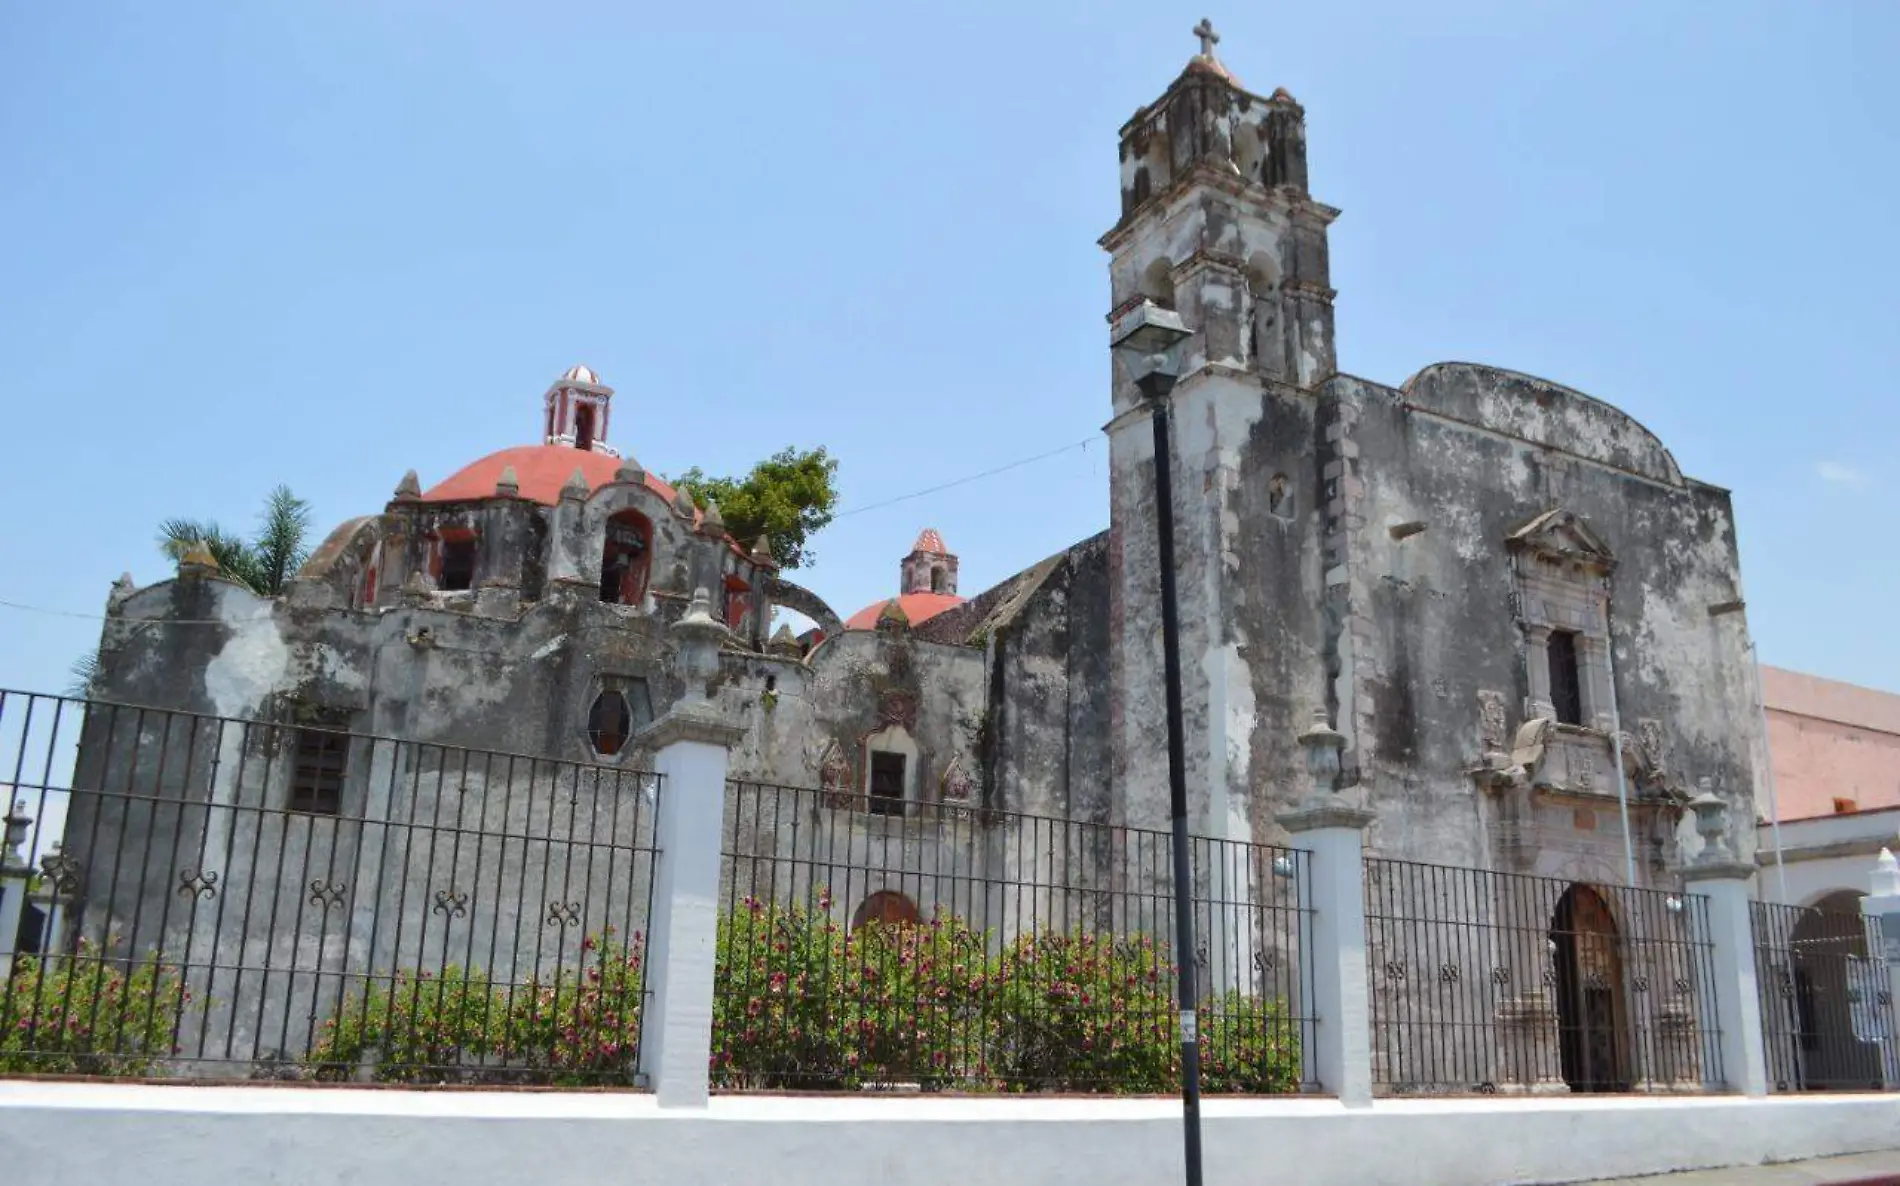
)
(714, 523)
(1323, 745)
(893, 617)
(410, 487)
(1711, 823)
(683, 503)
(508, 485)
(197, 560)
(415, 588)
(575, 489)
(784, 642)
(696, 640)
(630, 471)
(762, 551)
(121, 590)
(1886, 880)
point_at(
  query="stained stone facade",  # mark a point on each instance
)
(1477, 576)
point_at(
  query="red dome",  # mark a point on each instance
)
(541, 471)
(918, 607)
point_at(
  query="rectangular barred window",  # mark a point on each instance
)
(887, 783)
(316, 778)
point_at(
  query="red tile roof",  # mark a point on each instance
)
(918, 607)
(930, 541)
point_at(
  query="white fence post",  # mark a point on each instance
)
(1339, 1053)
(1716, 874)
(690, 745)
(1883, 903)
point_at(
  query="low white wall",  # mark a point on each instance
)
(79, 1134)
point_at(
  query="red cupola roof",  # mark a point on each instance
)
(540, 470)
(918, 608)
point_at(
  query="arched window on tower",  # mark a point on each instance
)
(584, 427)
(454, 559)
(939, 581)
(627, 560)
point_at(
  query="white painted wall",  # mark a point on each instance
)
(81, 1134)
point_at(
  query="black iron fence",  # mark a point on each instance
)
(944, 947)
(1828, 1016)
(1497, 982)
(246, 899)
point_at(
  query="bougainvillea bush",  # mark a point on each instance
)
(87, 1014)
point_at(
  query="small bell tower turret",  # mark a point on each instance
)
(577, 409)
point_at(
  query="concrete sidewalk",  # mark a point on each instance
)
(1859, 1169)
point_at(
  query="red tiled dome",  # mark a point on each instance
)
(929, 541)
(540, 469)
(918, 607)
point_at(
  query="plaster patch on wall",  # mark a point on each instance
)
(548, 648)
(251, 664)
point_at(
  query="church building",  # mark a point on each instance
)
(1503, 593)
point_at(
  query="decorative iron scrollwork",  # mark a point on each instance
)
(1448, 973)
(1640, 983)
(1266, 961)
(450, 902)
(1550, 978)
(1683, 984)
(1200, 956)
(1595, 979)
(1395, 971)
(563, 914)
(327, 893)
(197, 883)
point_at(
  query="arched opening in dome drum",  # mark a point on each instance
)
(627, 559)
(609, 721)
(938, 579)
(455, 559)
(584, 426)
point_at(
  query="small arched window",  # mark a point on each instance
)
(938, 580)
(454, 559)
(886, 906)
(584, 427)
(609, 721)
(627, 559)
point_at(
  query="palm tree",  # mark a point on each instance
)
(263, 564)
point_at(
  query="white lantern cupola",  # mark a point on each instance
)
(577, 410)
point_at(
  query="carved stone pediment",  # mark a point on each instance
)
(1563, 535)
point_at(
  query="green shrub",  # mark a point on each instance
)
(583, 1025)
(1082, 1013)
(87, 1014)
(1249, 1046)
(418, 1028)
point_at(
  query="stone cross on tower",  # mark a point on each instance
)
(1209, 38)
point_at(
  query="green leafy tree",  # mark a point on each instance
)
(788, 497)
(265, 562)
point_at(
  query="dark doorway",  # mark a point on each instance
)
(1833, 981)
(1590, 1013)
(584, 427)
(1566, 686)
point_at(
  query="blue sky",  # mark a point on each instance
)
(324, 243)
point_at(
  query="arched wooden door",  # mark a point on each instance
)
(1591, 1016)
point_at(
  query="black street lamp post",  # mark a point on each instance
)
(1152, 334)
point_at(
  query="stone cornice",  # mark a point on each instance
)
(1726, 870)
(1333, 812)
(690, 721)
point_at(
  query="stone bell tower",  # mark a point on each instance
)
(1217, 224)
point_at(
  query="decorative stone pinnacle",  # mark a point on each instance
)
(122, 589)
(409, 487)
(1711, 823)
(508, 484)
(415, 588)
(683, 502)
(197, 560)
(630, 471)
(893, 617)
(762, 550)
(714, 523)
(575, 488)
(785, 641)
(696, 639)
